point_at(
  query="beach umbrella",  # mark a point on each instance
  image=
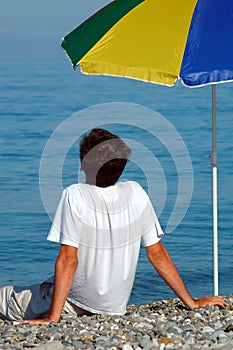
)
(160, 42)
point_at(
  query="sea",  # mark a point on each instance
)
(46, 107)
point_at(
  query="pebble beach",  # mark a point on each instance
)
(160, 325)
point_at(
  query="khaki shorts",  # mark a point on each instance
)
(31, 302)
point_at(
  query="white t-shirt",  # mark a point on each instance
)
(107, 225)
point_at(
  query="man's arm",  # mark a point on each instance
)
(162, 262)
(65, 268)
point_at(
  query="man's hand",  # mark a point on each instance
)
(210, 300)
(38, 321)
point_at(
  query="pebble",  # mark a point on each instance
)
(55, 345)
(160, 325)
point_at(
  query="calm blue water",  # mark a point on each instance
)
(37, 96)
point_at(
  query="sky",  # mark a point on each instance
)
(34, 28)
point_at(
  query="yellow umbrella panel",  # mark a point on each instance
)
(140, 44)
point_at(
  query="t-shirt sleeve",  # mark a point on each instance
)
(151, 228)
(66, 224)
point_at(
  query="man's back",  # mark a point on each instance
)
(107, 226)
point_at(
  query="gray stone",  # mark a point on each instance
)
(101, 340)
(174, 330)
(78, 344)
(144, 342)
(54, 345)
(127, 347)
(185, 347)
(149, 346)
(190, 341)
(208, 329)
(169, 346)
(228, 346)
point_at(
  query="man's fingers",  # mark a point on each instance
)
(211, 300)
(37, 321)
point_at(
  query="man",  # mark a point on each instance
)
(100, 226)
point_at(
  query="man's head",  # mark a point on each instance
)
(103, 157)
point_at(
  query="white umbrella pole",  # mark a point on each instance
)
(215, 196)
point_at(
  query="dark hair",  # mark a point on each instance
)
(103, 157)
